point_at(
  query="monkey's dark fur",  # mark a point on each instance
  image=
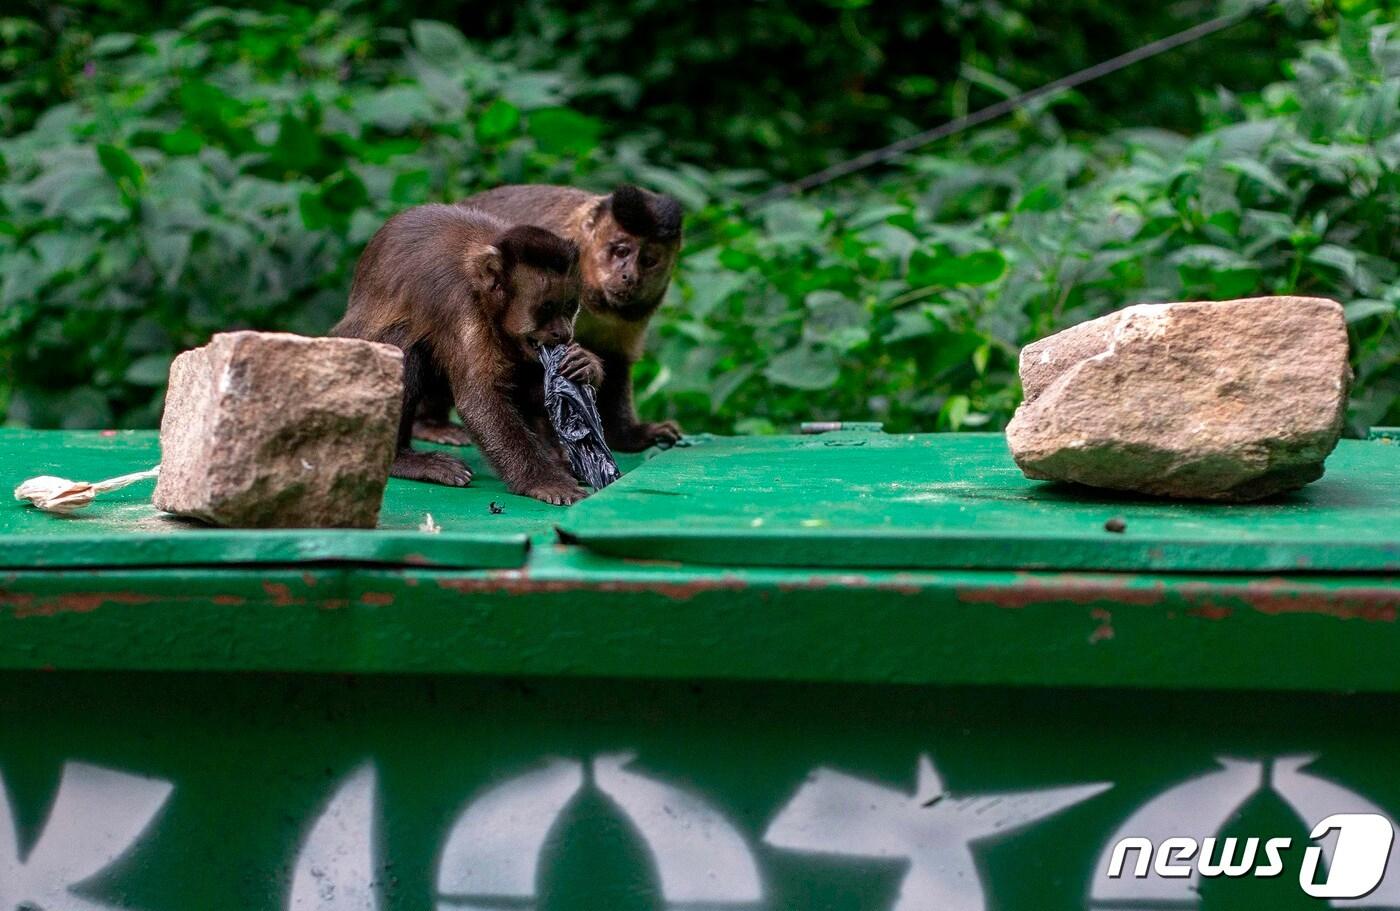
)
(469, 298)
(628, 242)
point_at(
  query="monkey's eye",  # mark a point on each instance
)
(619, 250)
(649, 259)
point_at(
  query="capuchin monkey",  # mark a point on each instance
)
(628, 242)
(470, 299)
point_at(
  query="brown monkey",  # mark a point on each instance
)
(628, 242)
(468, 299)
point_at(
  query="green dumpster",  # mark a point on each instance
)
(851, 671)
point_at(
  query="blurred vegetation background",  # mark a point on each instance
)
(172, 170)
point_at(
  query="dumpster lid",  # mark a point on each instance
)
(122, 528)
(958, 501)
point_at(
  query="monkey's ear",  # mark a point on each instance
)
(646, 214)
(487, 267)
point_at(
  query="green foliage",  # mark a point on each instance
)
(225, 174)
(908, 301)
(158, 187)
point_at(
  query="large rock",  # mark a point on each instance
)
(270, 430)
(1232, 400)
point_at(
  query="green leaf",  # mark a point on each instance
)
(394, 109)
(954, 412)
(150, 370)
(943, 269)
(497, 122)
(1359, 310)
(1258, 172)
(412, 188)
(835, 320)
(297, 147)
(121, 167)
(804, 367)
(114, 43)
(560, 131)
(440, 44)
(1336, 257)
(727, 384)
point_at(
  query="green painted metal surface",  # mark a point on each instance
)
(958, 501)
(123, 529)
(242, 792)
(577, 614)
(580, 731)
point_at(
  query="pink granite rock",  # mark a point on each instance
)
(1229, 400)
(270, 430)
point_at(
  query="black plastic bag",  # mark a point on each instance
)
(574, 413)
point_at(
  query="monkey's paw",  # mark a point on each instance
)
(646, 434)
(582, 366)
(433, 467)
(444, 432)
(557, 493)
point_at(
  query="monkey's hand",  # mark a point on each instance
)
(444, 432)
(582, 366)
(557, 492)
(433, 467)
(645, 434)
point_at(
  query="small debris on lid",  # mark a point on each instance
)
(1115, 525)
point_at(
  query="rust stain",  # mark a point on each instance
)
(77, 603)
(1031, 591)
(16, 599)
(280, 594)
(377, 599)
(518, 582)
(1374, 604)
(1210, 611)
(333, 603)
(1105, 628)
(229, 600)
(309, 579)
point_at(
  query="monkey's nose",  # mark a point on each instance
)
(559, 336)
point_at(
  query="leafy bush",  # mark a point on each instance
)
(907, 301)
(226, 174)
(783, 85)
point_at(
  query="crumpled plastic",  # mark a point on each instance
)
(573, 410)
(64, 497)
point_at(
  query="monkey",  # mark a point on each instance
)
(469, 299)
(628, 242)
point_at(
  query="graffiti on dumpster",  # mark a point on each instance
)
(1190, 814)
(97, 817)
(493, 851)
(335, 867)
(491, 855)
(835, 813)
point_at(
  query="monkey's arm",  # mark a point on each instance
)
(623, 430)
(520, 458)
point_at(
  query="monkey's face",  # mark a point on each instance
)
(626, 270)
(542, 309)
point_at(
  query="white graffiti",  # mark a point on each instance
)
(335, 867)
(698, 854)
(495, 845)
(491, 860)
(835, 813)
(1200, 807)
(98, 816)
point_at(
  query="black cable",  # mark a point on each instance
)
(993, 111)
